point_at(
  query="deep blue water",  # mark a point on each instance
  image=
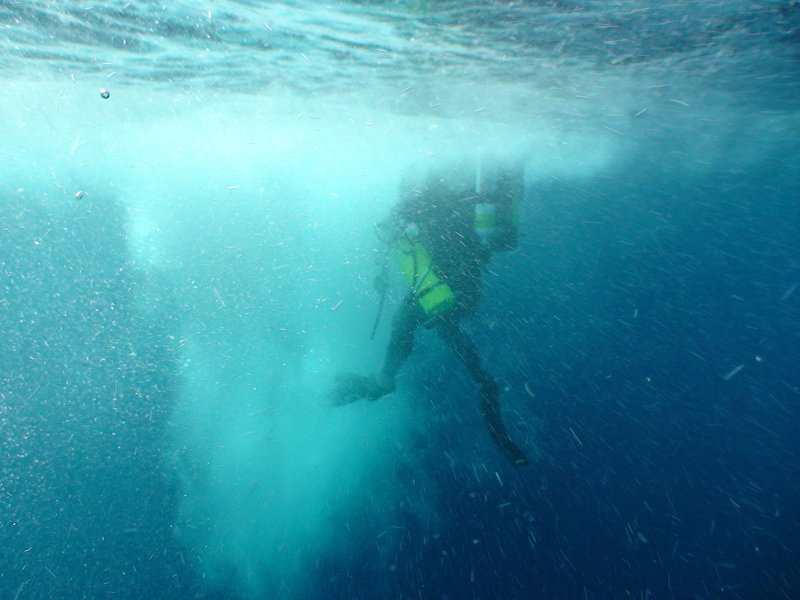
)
(186, 264)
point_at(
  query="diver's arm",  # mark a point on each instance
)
(387, 233)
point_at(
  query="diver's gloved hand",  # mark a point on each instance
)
(388, 230)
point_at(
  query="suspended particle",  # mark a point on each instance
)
(104, 94)
(733, 372)
(789, 291)
(79, 195)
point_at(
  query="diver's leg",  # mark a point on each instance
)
(490, 410)
(463, 347)
(404, 324)
(351, 387)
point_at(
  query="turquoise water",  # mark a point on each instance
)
(188, 194)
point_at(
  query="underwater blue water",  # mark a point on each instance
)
(186, 263)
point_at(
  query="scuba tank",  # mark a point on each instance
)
(497, 214)
(507, 222)
(435, 296)
(486, 222)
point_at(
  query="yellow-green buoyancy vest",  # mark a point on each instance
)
(435, 296)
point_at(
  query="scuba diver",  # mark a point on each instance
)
(442, 234)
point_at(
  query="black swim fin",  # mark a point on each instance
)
(351, 387)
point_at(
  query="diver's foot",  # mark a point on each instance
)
(351, 387)
(512, 452)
